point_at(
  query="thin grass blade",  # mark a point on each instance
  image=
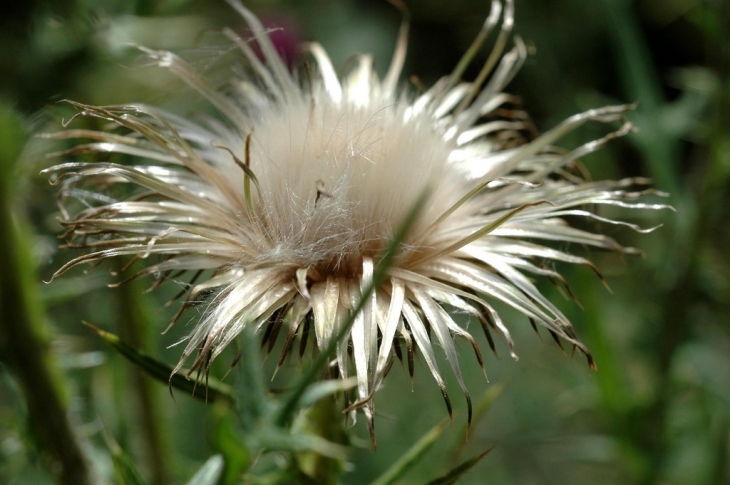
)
(210, 390)
(412, 456)
(291, 402)
(459, 471)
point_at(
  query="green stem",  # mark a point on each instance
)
(327, 419)
(23, 341)
(132, 328)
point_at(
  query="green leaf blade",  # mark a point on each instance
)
(209, 473)
(454, 474)
(211, 390)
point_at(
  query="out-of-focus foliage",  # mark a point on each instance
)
(657, 410)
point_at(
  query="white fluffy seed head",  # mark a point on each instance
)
(286, 205)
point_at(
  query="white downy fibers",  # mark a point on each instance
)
(281, 208)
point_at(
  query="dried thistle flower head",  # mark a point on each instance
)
(284, 205)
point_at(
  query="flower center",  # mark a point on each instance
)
(337, 179)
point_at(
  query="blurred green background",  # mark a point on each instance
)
(657, 410)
